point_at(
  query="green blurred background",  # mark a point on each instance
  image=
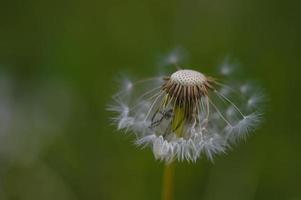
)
(59, 63)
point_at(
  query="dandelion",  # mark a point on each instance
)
(187, 114)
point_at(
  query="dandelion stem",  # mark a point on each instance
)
(168, 180)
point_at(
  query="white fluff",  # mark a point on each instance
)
(233, 114)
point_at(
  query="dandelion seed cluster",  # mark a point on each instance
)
(187, 114)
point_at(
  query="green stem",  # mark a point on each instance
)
(168, 180)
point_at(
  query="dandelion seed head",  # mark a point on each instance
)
(245, 88)
(175, 57)
(243, 127)
(186, 114)
(230, 111)
(226, 69)
(128, 85)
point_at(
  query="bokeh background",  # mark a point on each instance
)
(59, 65)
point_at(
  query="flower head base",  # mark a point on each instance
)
(185, 115)
(187, 77)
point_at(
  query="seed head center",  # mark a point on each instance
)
(187, 77)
